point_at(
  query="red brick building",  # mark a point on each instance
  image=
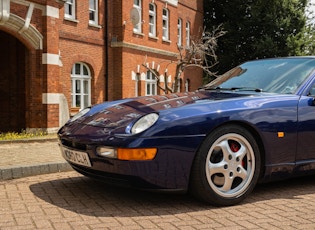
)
(57, 56)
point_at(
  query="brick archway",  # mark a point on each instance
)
(12, 83)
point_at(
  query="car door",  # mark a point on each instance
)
(305, 157)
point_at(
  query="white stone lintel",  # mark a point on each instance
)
(50, 59)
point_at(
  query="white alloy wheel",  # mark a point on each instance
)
(226, 167)
(230, 165)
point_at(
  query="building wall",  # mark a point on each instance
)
(139, 48)
(81, 42)
(26, 82)
(51, 44)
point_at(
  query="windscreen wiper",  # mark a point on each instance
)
(247, 89)
(218, 88)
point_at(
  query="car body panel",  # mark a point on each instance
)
(202, 117)
(282, 124)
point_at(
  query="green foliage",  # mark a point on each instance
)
(257, 29)
(309, 44)
(22, 135)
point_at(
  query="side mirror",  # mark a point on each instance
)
(312, 94)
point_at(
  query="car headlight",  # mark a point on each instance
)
(104, 151)
(144, 123)
(80, 114)
(130, 154)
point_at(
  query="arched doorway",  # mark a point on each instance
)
(12, 83)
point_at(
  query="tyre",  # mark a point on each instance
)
(226, 167)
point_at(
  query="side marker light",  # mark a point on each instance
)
(136, 154)
(280, 134)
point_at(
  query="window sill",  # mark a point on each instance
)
(138, 33)
(71, 20)
(167, 41)
(153, 37)
(74, 111)
(95, 25)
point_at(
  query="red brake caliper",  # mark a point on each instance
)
(235, 146)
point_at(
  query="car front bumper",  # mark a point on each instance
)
(169, 170)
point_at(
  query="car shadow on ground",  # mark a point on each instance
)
(91, 197)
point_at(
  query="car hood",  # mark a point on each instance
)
(121, 113)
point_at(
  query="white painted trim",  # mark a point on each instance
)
(143, 48)
(59, 99)
(51, 59)
(32, 35)
(143, 77)
(51, 12)
(133, 75)
(50, 98)
(28, 18)
(161, 77)
(27, 3)
(4, 11)
(172, 2)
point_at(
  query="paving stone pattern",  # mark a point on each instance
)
(68, 200)
(38, 190)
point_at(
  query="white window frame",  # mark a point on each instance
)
(187, 85)
(165, 24)
(179, 86)
(150, 84)
(138, 5)
(94, 12)
(70, 4)
(179, 32)
(187, 34)
(152, 20)
(82, 77)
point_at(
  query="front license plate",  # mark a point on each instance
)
(76, 157)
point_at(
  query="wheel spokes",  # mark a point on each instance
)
(225, 148)
(242, 173)
(217, 168)
(231, 167)
(228, 182)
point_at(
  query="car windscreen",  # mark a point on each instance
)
(269, 75)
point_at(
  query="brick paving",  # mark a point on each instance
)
(68, 200)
